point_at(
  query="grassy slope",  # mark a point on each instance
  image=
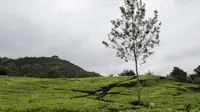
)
(58, 95)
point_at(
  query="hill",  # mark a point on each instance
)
(42, 67)
(100, 94)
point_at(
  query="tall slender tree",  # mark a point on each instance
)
(133, 35)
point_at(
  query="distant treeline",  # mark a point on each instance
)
(42, 67)
(180, 75)
(177, 74)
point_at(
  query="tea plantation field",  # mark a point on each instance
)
(159, 94)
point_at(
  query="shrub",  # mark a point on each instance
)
(194, 78)
(4, 70)
(149, 73)
(179, 75)
(127, 73)
(197, 71)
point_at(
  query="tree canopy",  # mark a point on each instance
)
(197, 71)
(133, 35)
(179, 75)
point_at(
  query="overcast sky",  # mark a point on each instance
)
(74, 29)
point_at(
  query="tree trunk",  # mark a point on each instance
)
(136, 57)
(138, 83)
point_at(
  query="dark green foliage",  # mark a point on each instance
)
(188, 107)
(197, 71)
(4, 70)
(195, 78)
(178, 74)
(42, 67)
(127, 73)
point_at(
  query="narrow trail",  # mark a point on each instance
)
(104, 91)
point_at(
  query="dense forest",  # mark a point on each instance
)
(42, 67)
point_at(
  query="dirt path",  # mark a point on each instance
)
(104, 91)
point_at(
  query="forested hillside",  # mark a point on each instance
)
(42, 67)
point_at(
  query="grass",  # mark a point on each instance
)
(21, 94)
